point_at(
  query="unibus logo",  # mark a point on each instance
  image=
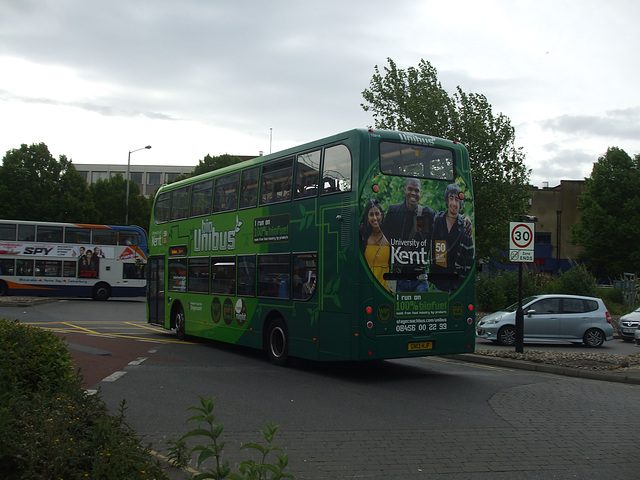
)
(208, 239)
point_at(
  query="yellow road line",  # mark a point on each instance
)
(86, 330)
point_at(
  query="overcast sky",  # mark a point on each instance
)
(96, 79)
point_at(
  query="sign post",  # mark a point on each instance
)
(521, 250)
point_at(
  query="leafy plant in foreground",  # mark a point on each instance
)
(249, 469)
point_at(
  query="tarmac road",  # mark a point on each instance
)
(431, 418)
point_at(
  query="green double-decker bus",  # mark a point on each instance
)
(358, 246)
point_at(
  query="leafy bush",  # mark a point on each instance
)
(495, 292)
(578, 281)
(614, 300)
(50, 427)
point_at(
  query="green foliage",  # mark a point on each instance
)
(50, 427)
(209, 164)
(496, 291)
(34, 186)
(613, 298)
(110, 201)
(249, 469)
(608, 215)
(413, 100)
(578, 281)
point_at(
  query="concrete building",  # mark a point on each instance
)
(148, 177)
(557, 210)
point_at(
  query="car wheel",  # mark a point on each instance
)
(593, 338)
(278, 342)
(179, 323)
(507, 335)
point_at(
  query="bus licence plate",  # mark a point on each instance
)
(420, 346)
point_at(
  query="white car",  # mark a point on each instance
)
(628, 325)
(636, 336)
(551, 318)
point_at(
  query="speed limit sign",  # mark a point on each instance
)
(521, 244)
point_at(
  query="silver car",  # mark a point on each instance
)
(551, 318)
(628, 325)
(636, 336)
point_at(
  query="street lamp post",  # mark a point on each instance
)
(126, 218)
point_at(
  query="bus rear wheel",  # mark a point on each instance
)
(101, 292)
(278, 342)
(4, 290)
(179, 323)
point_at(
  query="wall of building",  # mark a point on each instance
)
(148, 177)
(557, 210)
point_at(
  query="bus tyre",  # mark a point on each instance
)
(179, 323)
(101, 292)
(4, 290)
(278, 342)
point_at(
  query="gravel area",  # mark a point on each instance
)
(583, 361)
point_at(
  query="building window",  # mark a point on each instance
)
(136, 177)
(154, 178)
(95, 176)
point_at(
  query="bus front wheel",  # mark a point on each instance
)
(101, 292)
(4, 290)
(278, 342)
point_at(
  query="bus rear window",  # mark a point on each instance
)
(417, 161)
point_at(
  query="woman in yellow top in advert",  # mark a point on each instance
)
(374, 244)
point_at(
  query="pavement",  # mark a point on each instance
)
(630, 376)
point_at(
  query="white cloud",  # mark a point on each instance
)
(95, 80)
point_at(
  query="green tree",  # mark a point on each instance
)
(110, 200)
(36, 186)
(414, 100)
(609, 224)
(209, 164)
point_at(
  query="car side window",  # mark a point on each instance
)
(573, 305)
(546, 306)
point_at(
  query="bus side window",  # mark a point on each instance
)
(46, 233)
(223, 275)
(304, 275)
(24, 267)
(247, 275)
(104, 236)
(180, 203)
(273, 276)
(201, 196)
(7, 267)
(26, 233)
(336, 172)
(307, 174)
(162, 208)
(8, 232)
(249, 187)
(225, 193)
(276, 181)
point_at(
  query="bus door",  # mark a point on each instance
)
(156, 290)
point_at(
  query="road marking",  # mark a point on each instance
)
(86, 330)
(138, 361)
(114, 376)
